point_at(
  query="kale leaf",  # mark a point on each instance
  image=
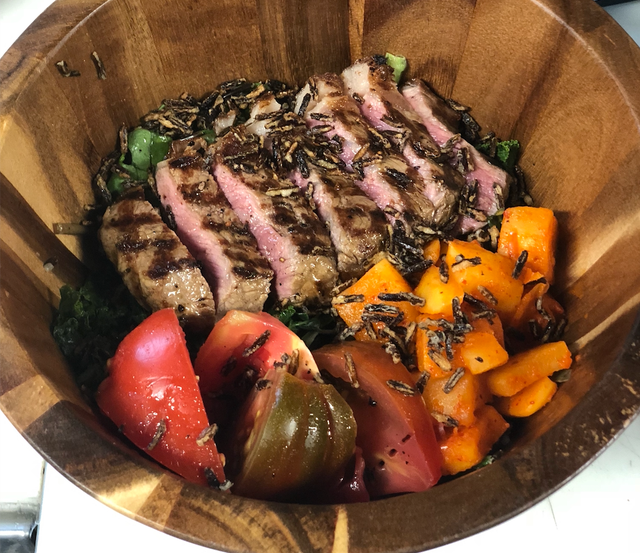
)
(315, 329)
(89, 325)
(506, 153)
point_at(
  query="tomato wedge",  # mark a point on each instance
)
(293, 437)
(151, 394)
(227, 362)
(395, 431)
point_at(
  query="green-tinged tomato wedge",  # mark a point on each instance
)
(398, 64)
(293, 437)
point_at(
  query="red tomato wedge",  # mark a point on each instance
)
(227, 362)
(152, 395)
(395, 431)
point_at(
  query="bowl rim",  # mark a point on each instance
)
(28, 57)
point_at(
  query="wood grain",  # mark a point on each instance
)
(559, 75)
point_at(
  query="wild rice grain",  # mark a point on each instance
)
(445, 419)
(401, 387)
(422, 381)
(351, 298)
(453, 380)
(102, 74)
(160, 431)
(488, 295)
(259, 342)
(444, 272)
(522, 259)
(351, 370)
(403, 296)
(207, 434)
(64, 70)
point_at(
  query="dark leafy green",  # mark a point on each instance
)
(506, 153)
(398, 64)
(315, 329)
(146, 150)
(89, 325)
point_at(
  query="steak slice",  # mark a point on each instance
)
(371, 81)
(228, 253)
(490, 183)
(357, 227)
(289, 233)
(154, 265)
(384, 176)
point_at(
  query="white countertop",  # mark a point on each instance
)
(597, 510)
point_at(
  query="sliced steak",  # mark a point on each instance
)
(357, 227)
(289, 234)
(371, 82)
(228, 253)
(155, 266)
(383, 175)
(490, 183)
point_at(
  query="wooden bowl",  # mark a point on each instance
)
(558, 75)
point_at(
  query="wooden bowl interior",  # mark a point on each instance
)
(540, 71)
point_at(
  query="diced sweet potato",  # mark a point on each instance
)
(481, 352)
(526, 402)
(487, 338)
(492, 325)
(381, 278)
(437, 294)
(467, 446)
(523, 369)
(493, 273)
(460, 403)
(527, 308)
(533, 229)
(432, 251)
(424, 360)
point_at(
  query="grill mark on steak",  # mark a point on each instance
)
(153, 263)
(380, 172)
(478, 172)
(289, 234)
(228, 253)
(311, 161)
(162, 265)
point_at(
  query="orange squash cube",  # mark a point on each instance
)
(467, 446)
(480, 352)
(437, 294)
(423, 359)
(523, 369)
(533, 229)
(492, 274)
(381, 278)
(432, 251)
(460, 403)
(526, 402)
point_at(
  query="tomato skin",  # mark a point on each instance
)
(395, 431)
(230, 337)
(151, 380)
(292, 438)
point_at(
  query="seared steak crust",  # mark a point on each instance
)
(357, 227)
(239, 276)
(289, 233)
(155, 266)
